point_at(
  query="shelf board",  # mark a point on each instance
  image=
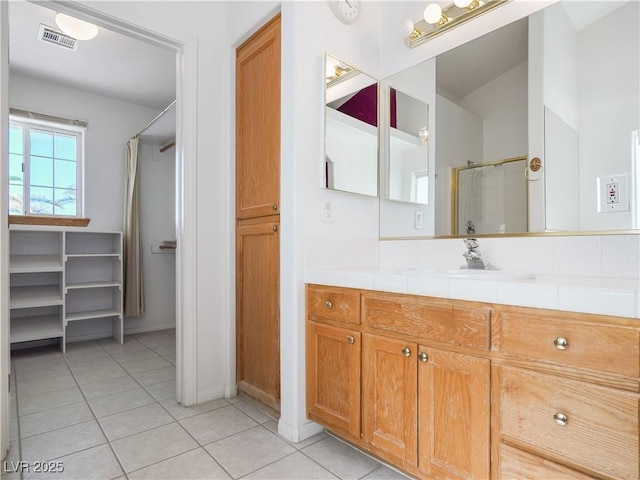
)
(99, 284)
(34, 263)
(74, 316)
(35, 296)
(26, 329)
(91, 255)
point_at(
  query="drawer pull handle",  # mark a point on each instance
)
(423, 357)
(406, 351)
(351, 340)
(561, 343)
(274, 228)
(561, 419)
(328, 304)
(274, 207)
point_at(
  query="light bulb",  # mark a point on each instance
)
(76, 28)
(433, 13)
(462, 3)
(407, 27)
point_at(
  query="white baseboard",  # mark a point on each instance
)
(133, 331)
(230, 391)
(89, 336)
(298, 434)
(211, 394)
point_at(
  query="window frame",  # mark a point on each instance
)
(28, 124)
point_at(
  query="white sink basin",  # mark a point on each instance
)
(495, 275)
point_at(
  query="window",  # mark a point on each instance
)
(45, 168)
(420, 187)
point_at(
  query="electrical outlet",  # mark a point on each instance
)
(327, 211)
(418, 220)
(613, 193)
(613, 190)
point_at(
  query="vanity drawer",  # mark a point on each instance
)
(515, 463)
(605, 348)
(418, 317)
(341, 304)
(571, 421)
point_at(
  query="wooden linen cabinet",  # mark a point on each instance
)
(258, 215)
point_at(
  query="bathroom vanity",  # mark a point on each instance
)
(452, 388)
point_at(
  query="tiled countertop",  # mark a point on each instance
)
(600, 295)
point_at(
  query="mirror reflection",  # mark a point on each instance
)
(351, 129)
(408, 148)
(560, 85)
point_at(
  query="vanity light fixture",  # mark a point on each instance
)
(337, 72)
(437, 20)
(76, 28)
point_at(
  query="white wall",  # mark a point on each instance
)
(110, 124)
(609, 107)
(502, 106)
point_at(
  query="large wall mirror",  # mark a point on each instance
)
(351, 129)
(561, 85)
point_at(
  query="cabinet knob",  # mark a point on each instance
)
(561, 343)
(561, 419)
(328, 304)
(406, 351)
(274, 207)
(423, 357)
(351, 340)
(275, 228)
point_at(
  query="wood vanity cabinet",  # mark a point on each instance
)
(454, 389)
(333, 359)
(565, 394)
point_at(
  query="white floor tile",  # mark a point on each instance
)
(49, 384)
(162, 391)
(180, 412)
(144, 364)
(258, 415)
(341, 459)
(248, 451)
(385, 473)
(108, 387)
(61, 442)
(56, 418)
(294, 467)
(152, 446)
(120, 402)
(193, 465)
(156, 376)
(134, 421)
(273, 426)
(47, 401)
(217, 424)
(97, 463)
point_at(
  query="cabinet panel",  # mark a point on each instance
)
(440, 322)
(514, 463)
(389, 396)
(606, 348)
(258, 310)
(333, 377)
(334, 304)
(258, 123)
(598, 428)
(453, 414)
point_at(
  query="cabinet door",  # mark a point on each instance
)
(453, 414)
(333, 377)
(258, 310)
(258, 123)
(389, 396)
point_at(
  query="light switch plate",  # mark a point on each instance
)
(613, 193)
(327, 211)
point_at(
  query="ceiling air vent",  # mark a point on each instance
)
(50, 35)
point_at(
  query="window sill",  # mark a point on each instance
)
(50, 221)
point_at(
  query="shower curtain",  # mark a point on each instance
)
(133, 288)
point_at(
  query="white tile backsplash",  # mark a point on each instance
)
(621, 256)
(577, 256)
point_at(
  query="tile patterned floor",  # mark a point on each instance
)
(108, 411)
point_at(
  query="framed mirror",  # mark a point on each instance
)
(560, 85)
(351, 129)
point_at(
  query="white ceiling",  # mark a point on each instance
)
(112, 64)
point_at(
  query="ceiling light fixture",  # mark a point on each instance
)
(76, 28)
(438, 20)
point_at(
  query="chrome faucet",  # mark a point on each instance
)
(474, 258)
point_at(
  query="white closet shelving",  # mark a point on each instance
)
(59, 276)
